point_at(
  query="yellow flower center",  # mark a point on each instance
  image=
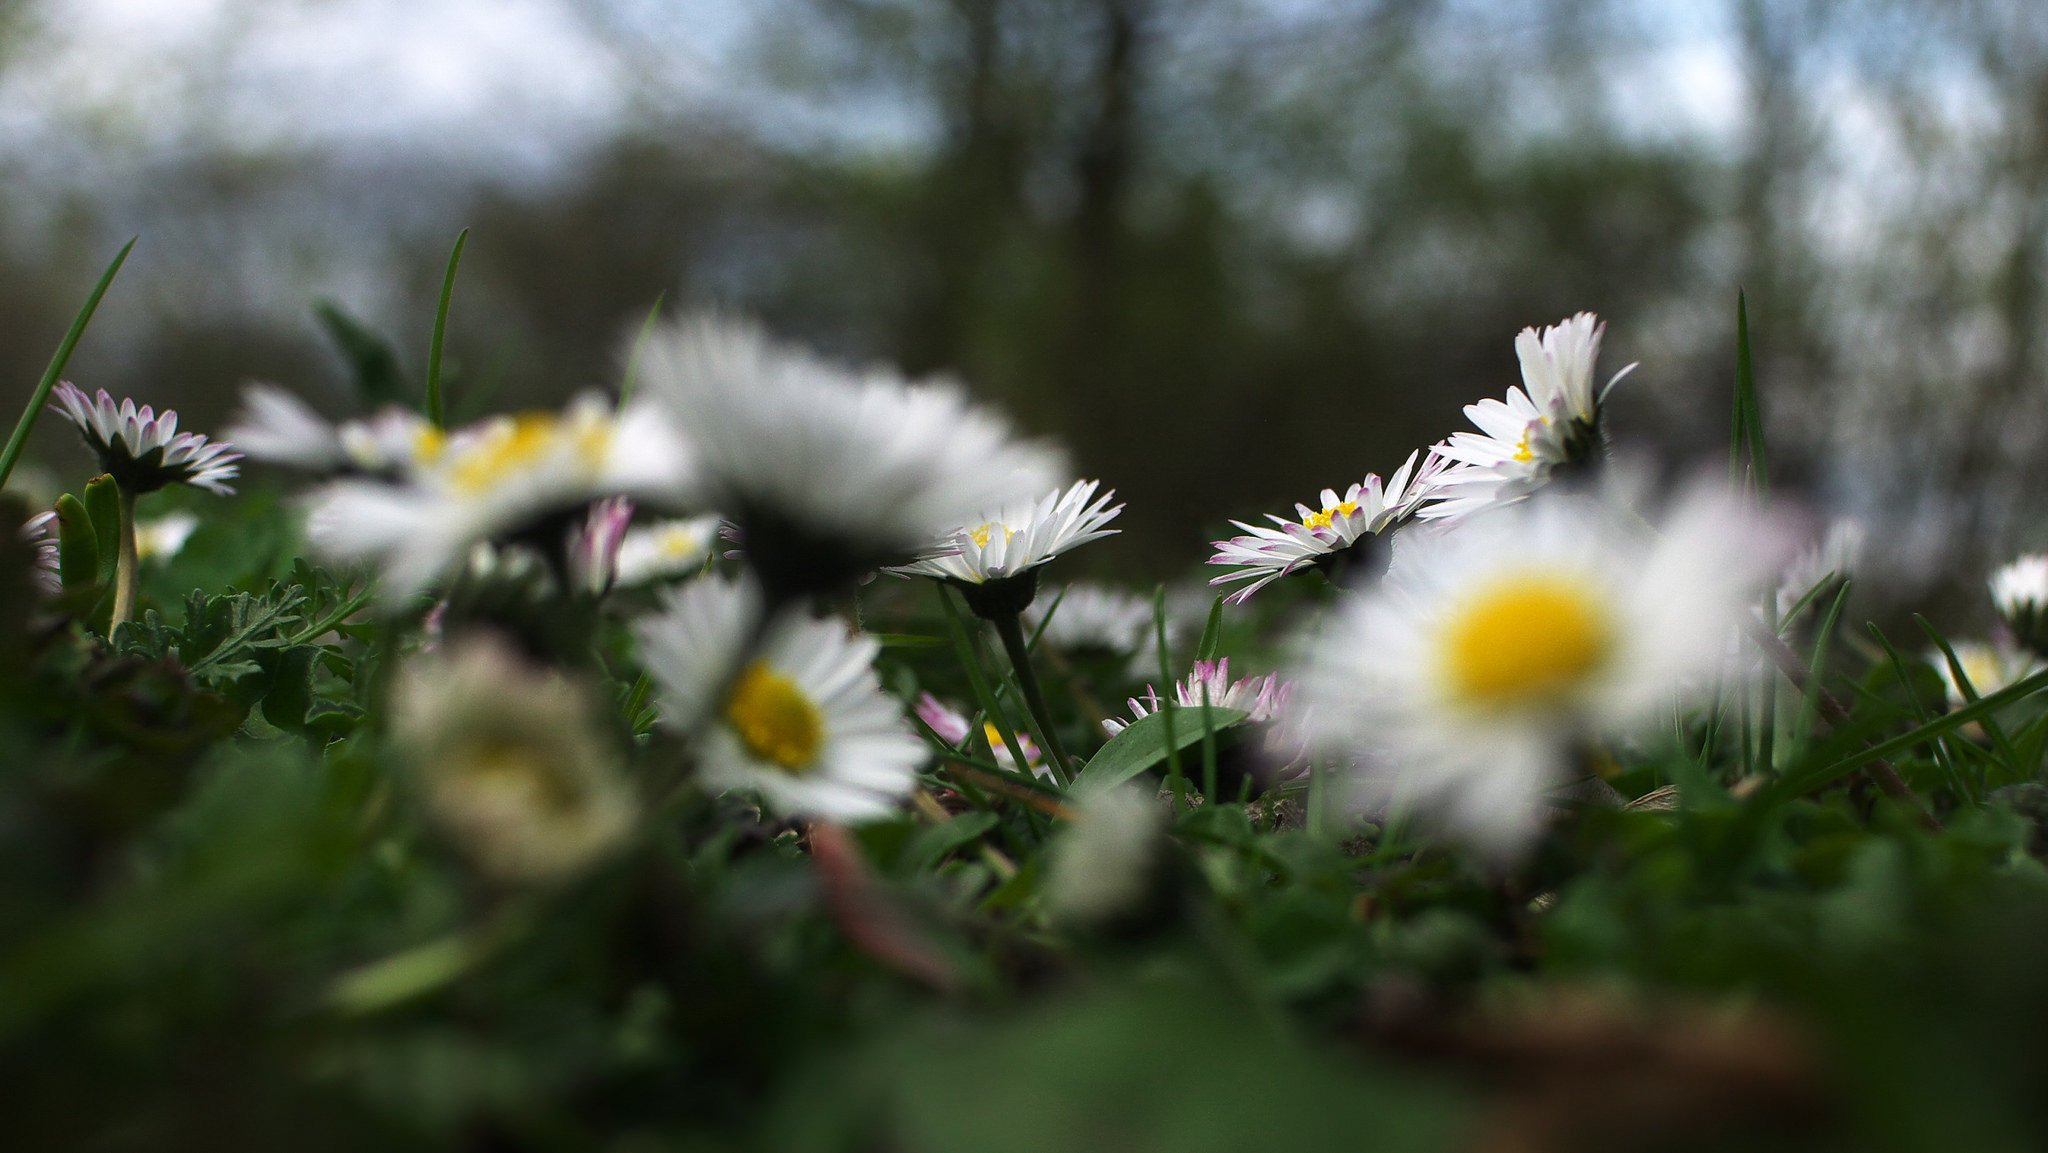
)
(1323, 519)
(678, 542)
(774, 719)
(1524, 453)
(515, 775)
(512, 445)
(984, 533)
(1526, 641)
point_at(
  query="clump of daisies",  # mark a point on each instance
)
(143, 451)
(509, 759)
(1551, 426)
(1496, 656)
(784, 706)
(1345, 537)
(530, 478)
(828, 472)
(2020, 590)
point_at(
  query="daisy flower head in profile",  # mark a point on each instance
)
(1260, 698)
(666, 550)
(799, 718)
(829, 473)
(276, 427)
(1550, 426)
(1346, 538)
(531, 475)
(1472, 679)
(143, 450)
(1987, 666)
(995, 562)
(2020, 590)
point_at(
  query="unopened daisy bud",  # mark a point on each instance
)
(995, 561)
(510, 762)
(142, 450)
(593, 547)
(2020, 590)
(799, 718)
(1104, 863)
(830, 473)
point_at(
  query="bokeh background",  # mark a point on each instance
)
(1231, 251)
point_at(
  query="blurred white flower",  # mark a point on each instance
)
(142, 450)
(666, 550)
(493, 479)
(2020, 590)
(1552, 421)
(277, 427)
(161, 538)
(1988, 666)
(799, 718)
(1094, 618)
(40, 531)
(1341, 529)
(1102, 864)
(1019, 539)
(1470, 677)
(510, 761)
(952, 727)
(1825, 564)
(830, 472)
(593, 547)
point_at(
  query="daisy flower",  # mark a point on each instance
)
(1260, 698)
(40, 532)
(277, 427)
(995, 560)
(1341, 534)
(2020, 590)
(1988, 667)
(1552, 422)
(1470, 678)
(1823, 565)
(800, 719)
(142, 450)
(510, 761)
(831, 472)
(666, 550)
(494, 479)
(952, 727)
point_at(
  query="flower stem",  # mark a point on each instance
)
(126, 568)
(1011, 629)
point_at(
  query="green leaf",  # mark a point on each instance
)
(103, 505)
(372, 361)
(17, 443)
(1212, 633)
(1148, 741)
(436, 410)
(932, 843)
(78, 547)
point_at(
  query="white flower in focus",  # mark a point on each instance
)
(1019, 539)
(1319, 536)
(1988, 667)
(492, 479)
(277, 427)
(1260, 698)
(1829, 561)
(510, 761)
(161, 538)
(666, 550)
(952, 727)
(800, 718)
(1551, 421)
(142, 450)
(40, 532)
(1092, 618)
(1470, 678)
(1103, 863)
(831, 472)
(2020, 590)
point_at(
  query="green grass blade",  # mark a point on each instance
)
(1174, 776)
(963, 647)
(1747, 463)
(436, 410)
(1212, 633)
(1828, 774)
(639, 342)
(18, 442)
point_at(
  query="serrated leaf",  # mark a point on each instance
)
(1143, 743)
